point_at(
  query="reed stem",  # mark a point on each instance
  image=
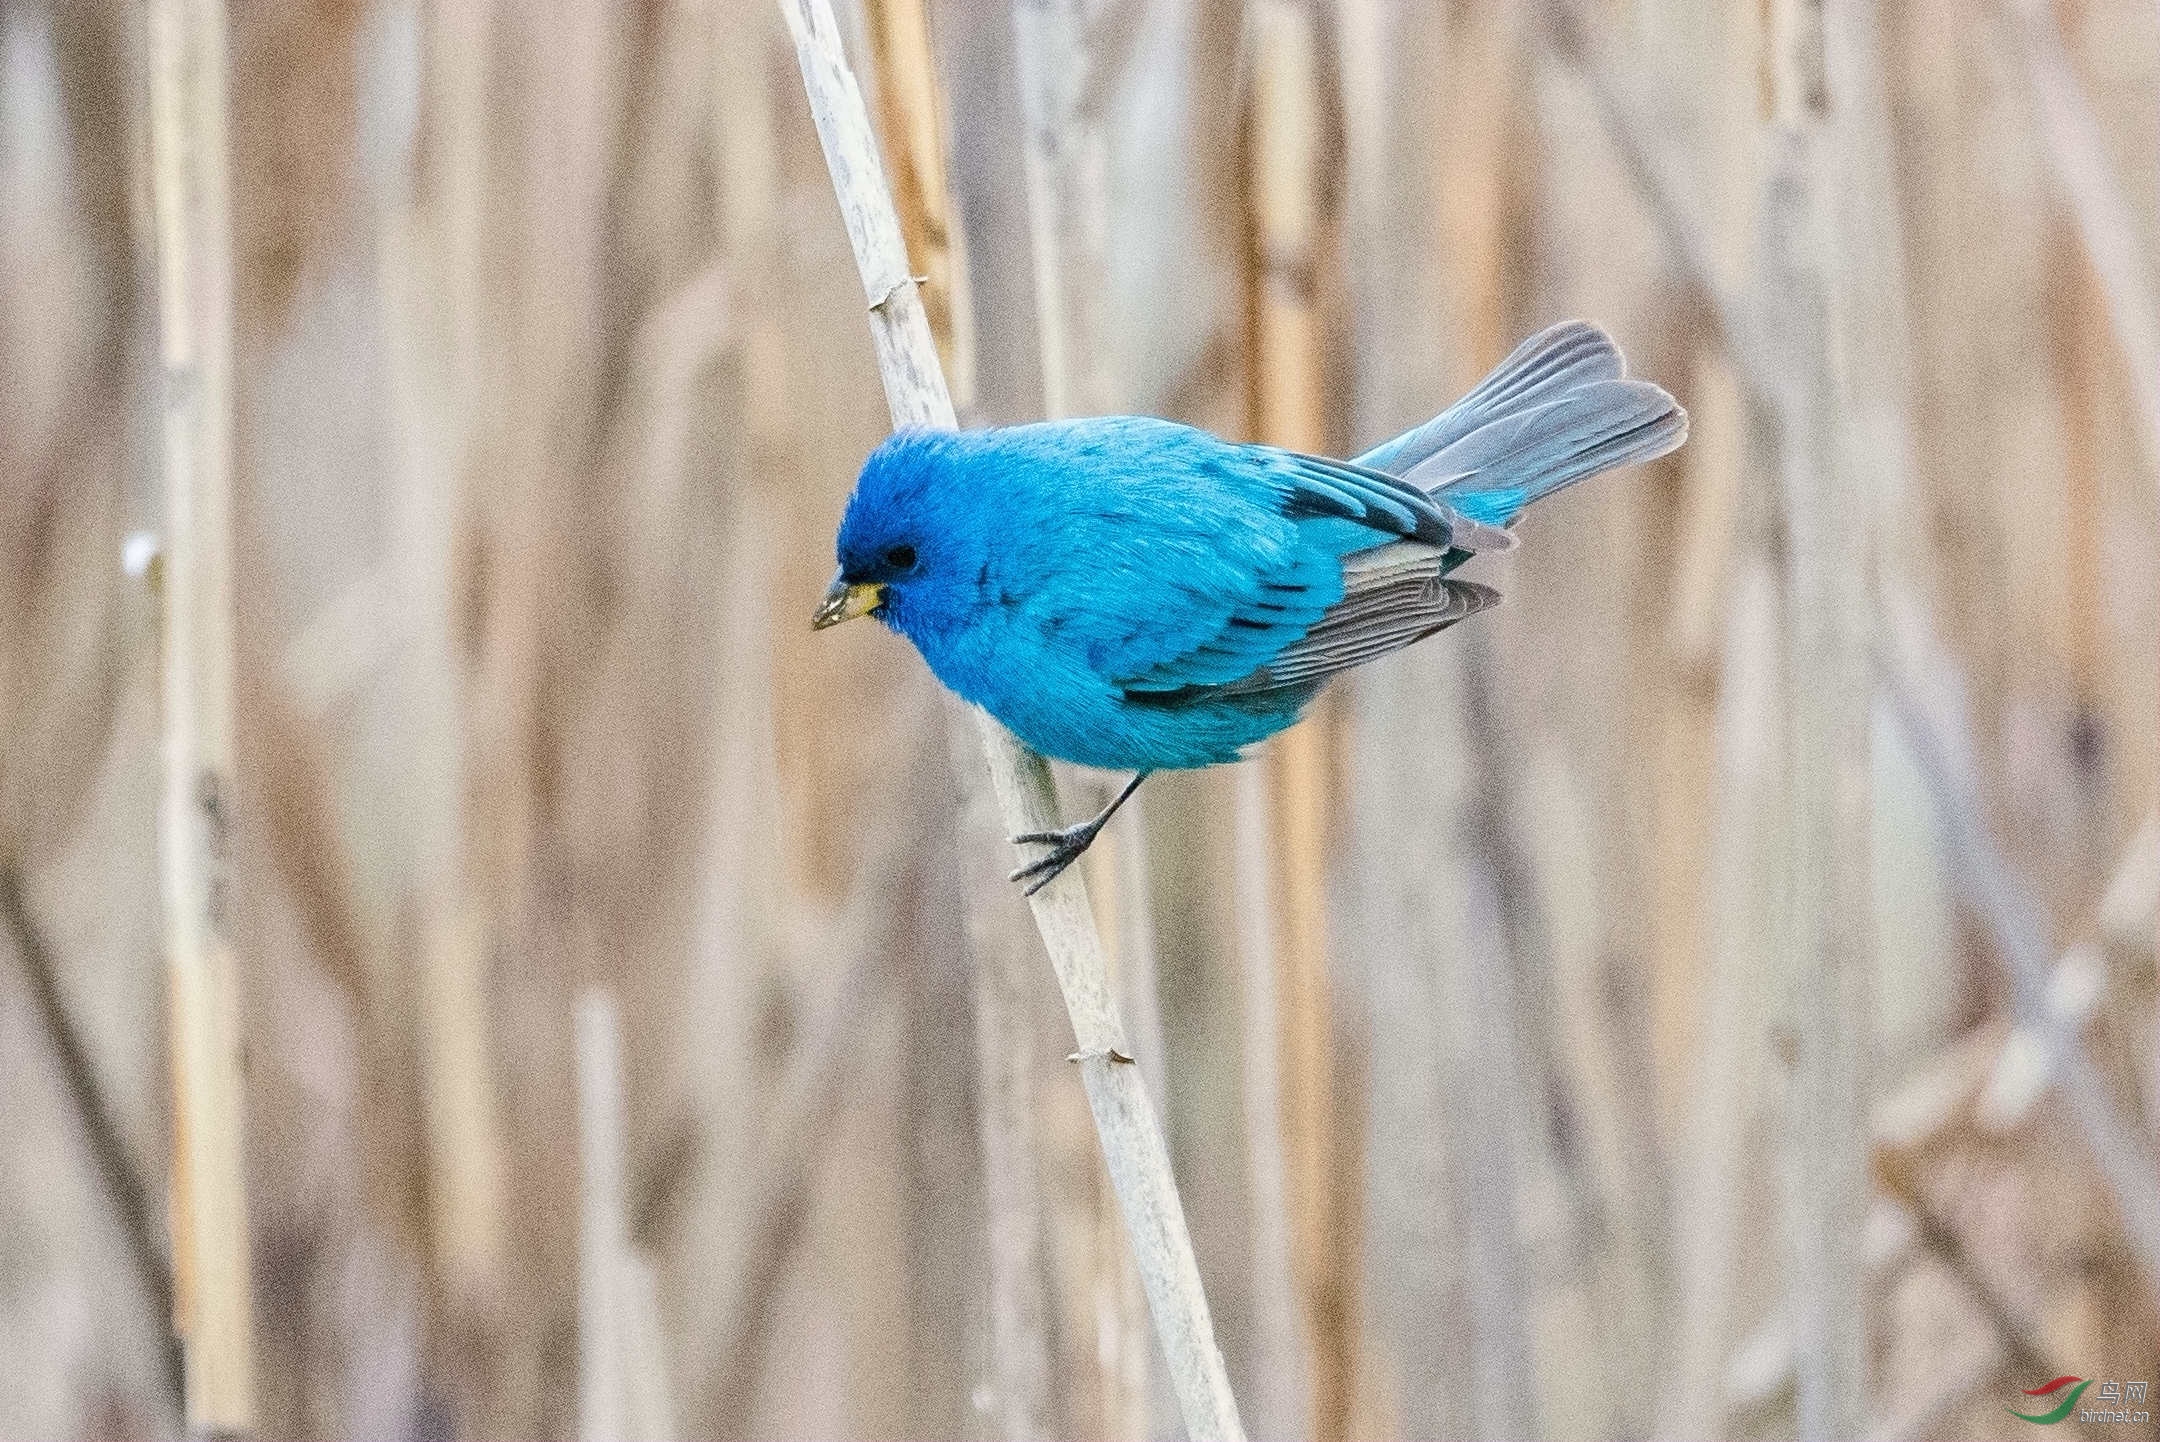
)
(1124, 1115)
(211, 1277)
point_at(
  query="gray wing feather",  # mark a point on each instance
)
(1590, 429)
(1353, 492)
(1392, 595)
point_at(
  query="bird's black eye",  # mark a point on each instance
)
(901, 558)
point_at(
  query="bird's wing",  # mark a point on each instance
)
(1318, 488)
(1392, 596)
(1235, 629)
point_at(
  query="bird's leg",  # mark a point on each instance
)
(1067, 843)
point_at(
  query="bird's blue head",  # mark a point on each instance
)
(913, 546)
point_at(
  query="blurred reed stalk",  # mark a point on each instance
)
(1281, 1380)
(808, 1096)
(913, 108)
(2077, 150)
(1124, 1115)
(622, 1374)
(1823, 1002)
(734, 935)
(1020, 1397)
(116, 1169)
(1302, 1360)
(1709, 1196)
(433, 288)
(1061, 64)
(191, 193)
(603, 1233)
(1067, 165)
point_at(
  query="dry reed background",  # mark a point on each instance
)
(1600, 1022)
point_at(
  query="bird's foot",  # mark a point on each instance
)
(1066, 846)
(1067, 843)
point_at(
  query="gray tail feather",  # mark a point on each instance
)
(1555, 412)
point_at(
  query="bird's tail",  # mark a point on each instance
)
(1557, 411)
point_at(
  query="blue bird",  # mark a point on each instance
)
(1134, 594)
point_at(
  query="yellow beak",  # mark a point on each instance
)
(844, 602)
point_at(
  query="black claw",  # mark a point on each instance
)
(1066, 845)
(1077, 836)
(1046, 870)
(1033, 868)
